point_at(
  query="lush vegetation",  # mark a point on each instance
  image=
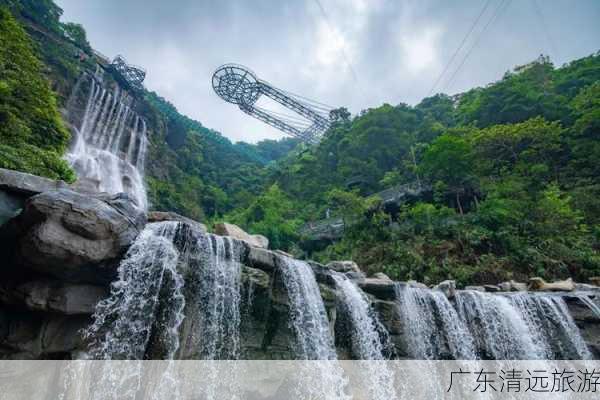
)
(512, 169)
(192, 170)
(199, 173)
(32, 135)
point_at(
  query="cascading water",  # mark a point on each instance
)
(308, 317)
(218, 300)
(123, 323)
(521, 326)
(365, 334)
(173, 277)
(365, 337)
(481, 325)
(433, 329)
(111, 140)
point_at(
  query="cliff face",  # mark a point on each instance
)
(62, 248)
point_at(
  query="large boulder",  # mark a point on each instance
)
(475, 288)
(447, 287)
(160, 216)
(54, 296)
(225, 229)
(344, 267)
(10, 206)
(16, 187)
(262, 258)
(30, 336)
(384, 289)
(538, 284)
(73, 236)
(416, 285)
(26, 184)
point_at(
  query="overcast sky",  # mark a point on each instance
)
(352, 53)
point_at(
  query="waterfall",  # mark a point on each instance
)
(521, 326)
(219, 297)
(308, 317)
(551, 326)
(365, 337)
(432, 327)
(526, 326)
(109, 138)
(172, 271)
(124, 322)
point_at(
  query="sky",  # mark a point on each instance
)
(352, 53)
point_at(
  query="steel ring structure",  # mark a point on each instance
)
(238, 85)
(133, 75)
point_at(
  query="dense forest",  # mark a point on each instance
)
(511, 168)
(192, 170)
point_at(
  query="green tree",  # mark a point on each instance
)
(449, 160)
(271, 215)
(33, 137)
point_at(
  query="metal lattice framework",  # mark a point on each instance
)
(132, 74)
(238, 85)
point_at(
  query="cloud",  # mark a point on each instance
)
(420, 50)
(396, 48)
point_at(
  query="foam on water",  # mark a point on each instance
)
(111, 142)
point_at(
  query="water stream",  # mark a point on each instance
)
(111, 140)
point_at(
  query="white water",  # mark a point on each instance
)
(124, 321)
(308, 317)
(521, 326)
(477, 325)
(308, 320)
(101, 152)
(365, 337)
(433, 329)
(551, 326)
(218, 297)
(366, 341)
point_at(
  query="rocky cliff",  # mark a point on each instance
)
(62, 248)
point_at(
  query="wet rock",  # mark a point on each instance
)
(160, 216)
(32, 336)
(54, 296)
(417, 285)
(344, 266)
(384, 289)
(475, 288)
(491, 288)
(255, 278)
(512, 286)
(447, 287)
(322, 273)
(73, 236)
(328, 294)
(584, 287)
(538, 284)
(517, 286)
(595, 280)
(10, 206)
(262, 259)
(381, 275)
(26, 184)
(225, 229)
